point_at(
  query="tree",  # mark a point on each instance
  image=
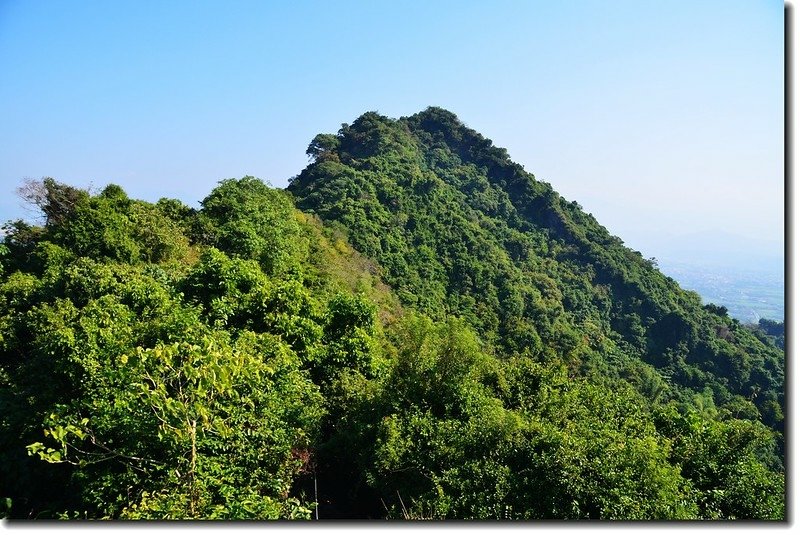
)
(55, 200)
(248, 219)
(323, 146)
(202, 429)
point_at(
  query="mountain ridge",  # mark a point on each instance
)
(502, 197)
(417, 328)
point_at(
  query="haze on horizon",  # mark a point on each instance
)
(662, 119)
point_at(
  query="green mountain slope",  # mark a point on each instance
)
(461, 230)
(417, 329)
(162, 362)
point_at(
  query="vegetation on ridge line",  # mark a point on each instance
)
(483, 349)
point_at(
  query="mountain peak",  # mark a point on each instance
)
(459, 228)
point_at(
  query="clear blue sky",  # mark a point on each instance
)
(662, 118)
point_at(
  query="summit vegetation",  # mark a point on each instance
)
(416, 328)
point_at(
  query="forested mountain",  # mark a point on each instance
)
(417, 328)
(461, 230)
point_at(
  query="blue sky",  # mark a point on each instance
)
(662, 118)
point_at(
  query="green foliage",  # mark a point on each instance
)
(457, 435)
(347, 335)
(438, 335)
(322, 146)
(171, 418)
(731, 463)
(168, 385)
(459, 229)
(248, 219)
(772, 332)
(4, 253)
(108, 226)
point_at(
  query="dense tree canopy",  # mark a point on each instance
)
(437, 334)
(461, 230)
